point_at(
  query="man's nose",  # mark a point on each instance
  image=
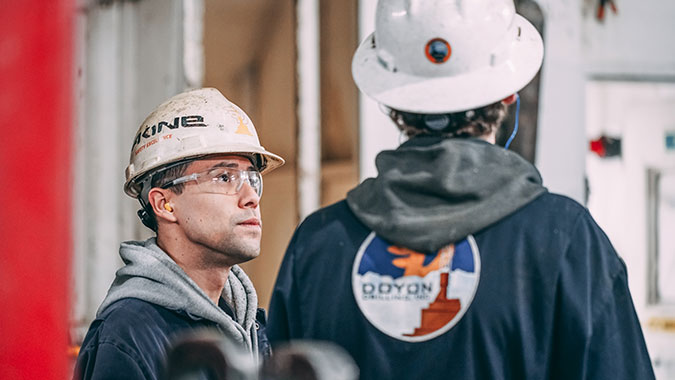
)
(248, 197)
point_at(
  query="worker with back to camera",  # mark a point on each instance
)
(196, 167)
(455, 261)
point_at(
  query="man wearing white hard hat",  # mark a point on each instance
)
(196, 167)
(455, 262)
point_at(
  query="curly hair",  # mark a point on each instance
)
(472, 123)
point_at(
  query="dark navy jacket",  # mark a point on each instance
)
(129, 340)
(552, 302)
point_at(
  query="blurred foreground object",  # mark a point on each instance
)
(304, 360)
(209, 355)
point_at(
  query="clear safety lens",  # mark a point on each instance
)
(222, 180)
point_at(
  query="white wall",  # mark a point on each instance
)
(376, 132)
(640, 113)
(560, 136)
(130, 58)
(635, 43)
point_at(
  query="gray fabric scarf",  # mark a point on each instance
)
(151, 275)
(431, 192)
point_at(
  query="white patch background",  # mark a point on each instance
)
(396, 317)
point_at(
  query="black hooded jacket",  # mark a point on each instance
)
(456, 263)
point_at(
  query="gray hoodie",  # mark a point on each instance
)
(431, 191)
(151, 275)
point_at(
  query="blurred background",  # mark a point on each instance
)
(77, 77)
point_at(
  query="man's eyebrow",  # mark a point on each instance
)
(230, 165)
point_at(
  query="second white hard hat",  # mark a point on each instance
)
(443, 56)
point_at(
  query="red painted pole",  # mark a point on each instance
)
(36, 51)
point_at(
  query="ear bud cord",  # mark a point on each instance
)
(515, 127)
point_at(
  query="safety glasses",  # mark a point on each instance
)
(227, 181)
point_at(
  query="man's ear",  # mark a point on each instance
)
(159, 199)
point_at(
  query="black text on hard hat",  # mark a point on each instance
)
(189, 121)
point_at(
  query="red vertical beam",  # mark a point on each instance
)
(36, 53)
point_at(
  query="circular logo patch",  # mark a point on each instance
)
(438, 50)
(412, 296)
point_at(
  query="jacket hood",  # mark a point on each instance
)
(151, 275)
(431, 191)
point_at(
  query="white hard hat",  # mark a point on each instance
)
(193, 124)
(443, 56)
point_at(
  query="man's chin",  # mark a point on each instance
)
(245, 258)
(244, 254)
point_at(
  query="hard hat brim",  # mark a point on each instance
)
(429, 95)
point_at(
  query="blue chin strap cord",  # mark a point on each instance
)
(515, 127)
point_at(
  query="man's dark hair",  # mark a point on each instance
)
(167, 175)
(471, 123)
(147, 214)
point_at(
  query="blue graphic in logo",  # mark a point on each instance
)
(378, 259)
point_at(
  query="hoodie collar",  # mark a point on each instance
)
(151, 275)
(431, 191)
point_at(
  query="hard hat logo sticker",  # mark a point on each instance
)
(242, 129)
(438, 50)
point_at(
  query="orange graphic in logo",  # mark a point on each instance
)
(413, 262)
(242, 129)
(440, 312)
